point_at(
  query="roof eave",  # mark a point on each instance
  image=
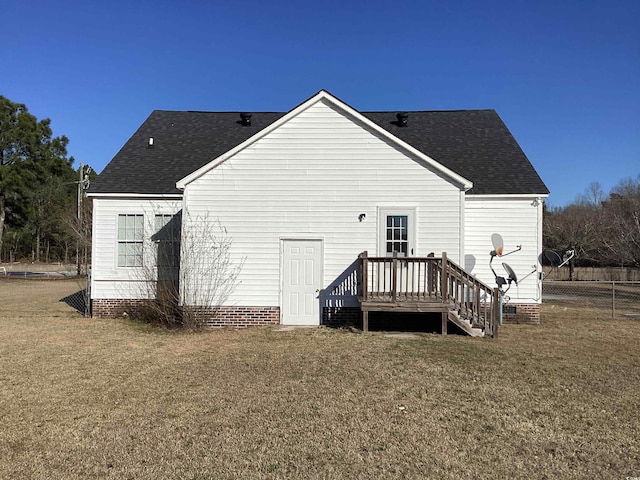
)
(176, 196)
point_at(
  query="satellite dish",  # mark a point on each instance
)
(512, 275)
(552, 257)
(498, 243)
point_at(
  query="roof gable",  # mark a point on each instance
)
(324, 96)
(467, 146)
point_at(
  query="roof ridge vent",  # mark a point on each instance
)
(402, 118)
(245, 118)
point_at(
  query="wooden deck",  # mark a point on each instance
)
(428, 285)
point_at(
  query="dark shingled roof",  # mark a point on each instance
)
(475, 144)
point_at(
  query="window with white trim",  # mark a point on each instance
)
(396, 230)
(130, 240)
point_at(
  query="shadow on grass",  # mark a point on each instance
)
(77, 301)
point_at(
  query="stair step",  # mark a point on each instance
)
(464, 325)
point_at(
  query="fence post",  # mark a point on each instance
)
(613, 300)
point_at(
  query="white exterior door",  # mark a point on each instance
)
(301, 282)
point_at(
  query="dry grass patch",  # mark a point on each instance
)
(87, 398)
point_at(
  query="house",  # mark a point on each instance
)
(305, 198)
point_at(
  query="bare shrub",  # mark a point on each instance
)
(192, 273)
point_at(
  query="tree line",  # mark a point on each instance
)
(39, 218)
(603, 229)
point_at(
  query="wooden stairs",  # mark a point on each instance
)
(463, 324)
(428, 284)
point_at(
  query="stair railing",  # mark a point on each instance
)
(428, 279)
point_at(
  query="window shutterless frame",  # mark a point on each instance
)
(396, 231)
(130, 240)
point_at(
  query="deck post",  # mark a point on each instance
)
(476, 302)
(431, 273)
(394, 276)
(364, 265)
(365, 321)
(444, 322)
(443, 278)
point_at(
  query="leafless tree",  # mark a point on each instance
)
(604, 230)
(593, 195)
(80, 228)
(575, 227)
(622, 216)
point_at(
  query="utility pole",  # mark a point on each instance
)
(83, 183)
(80, 182)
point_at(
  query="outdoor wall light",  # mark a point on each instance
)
(362, 216)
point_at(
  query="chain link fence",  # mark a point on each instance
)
(607, 299)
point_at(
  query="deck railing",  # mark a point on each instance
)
(430, 279)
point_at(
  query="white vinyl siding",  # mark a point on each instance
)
(108, 280)
(519, 222)
(312, 178)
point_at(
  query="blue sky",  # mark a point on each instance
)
(563, 75)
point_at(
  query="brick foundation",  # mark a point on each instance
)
(240, 317)
(237, 317)
(341, 316)
(116, 308)
(525, 313)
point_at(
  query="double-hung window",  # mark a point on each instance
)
(130, 240)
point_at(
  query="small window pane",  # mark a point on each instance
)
(397, 234)
(139, 228)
